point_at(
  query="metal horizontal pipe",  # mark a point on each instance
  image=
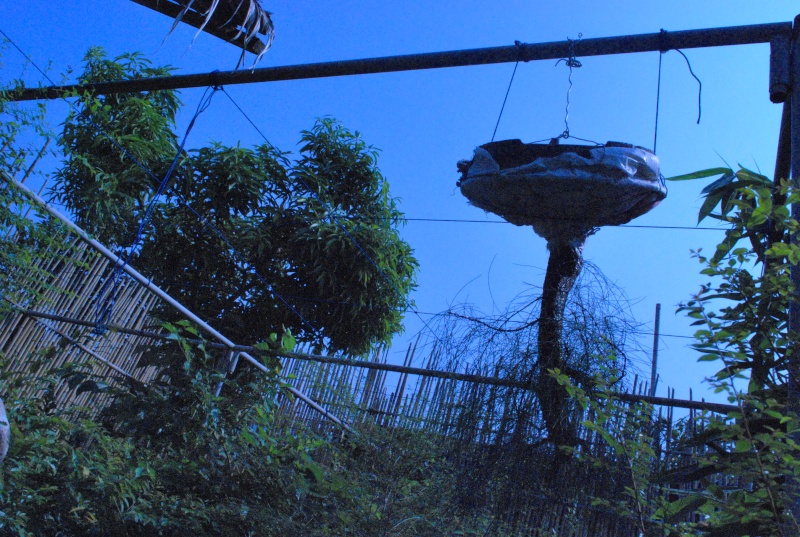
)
(603, 46)
(450, 375)
(153, 288)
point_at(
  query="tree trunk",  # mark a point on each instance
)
(563, 268)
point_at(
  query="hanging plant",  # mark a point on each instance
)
(565, 192)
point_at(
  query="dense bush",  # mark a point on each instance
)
(173, 458)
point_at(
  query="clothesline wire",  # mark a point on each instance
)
(468, 221)
(80, 322)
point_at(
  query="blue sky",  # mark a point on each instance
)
(424, 122)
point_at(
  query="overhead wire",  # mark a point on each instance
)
(104, 306)
(468, 221)
(149, 334)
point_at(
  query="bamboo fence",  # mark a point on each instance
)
(68, 282)
(475, 419)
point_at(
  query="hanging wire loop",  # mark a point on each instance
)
(573, 63)
(665, 46)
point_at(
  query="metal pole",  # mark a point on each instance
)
(783, 160)
(149, 285)
(603, 46)
(403, 369)
(654, 367)
(793, 396)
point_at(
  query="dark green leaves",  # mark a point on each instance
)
(243, 236)
(724, 191)
(743, 315)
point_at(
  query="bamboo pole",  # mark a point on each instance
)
(81, 346)
(425, 373)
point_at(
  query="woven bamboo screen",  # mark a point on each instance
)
(67, 283)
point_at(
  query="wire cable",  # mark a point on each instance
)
(663, 49)
(508, 90)
(658, 101)
(104, 305)
(571, 62)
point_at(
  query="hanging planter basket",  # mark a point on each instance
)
(563, 191)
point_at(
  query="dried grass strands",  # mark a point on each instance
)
(238, 22)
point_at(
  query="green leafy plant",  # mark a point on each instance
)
(310, 245)
(748, 458)
(167, 458)
(631, 439)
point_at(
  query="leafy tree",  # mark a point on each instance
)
(310, 245)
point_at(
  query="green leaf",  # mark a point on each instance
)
(710, 202)
(700, 174)
(719, 183)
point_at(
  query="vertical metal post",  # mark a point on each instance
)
(779, 70)
(794, 307)
(654, 368)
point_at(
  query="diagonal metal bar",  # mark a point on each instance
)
(148, 284)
